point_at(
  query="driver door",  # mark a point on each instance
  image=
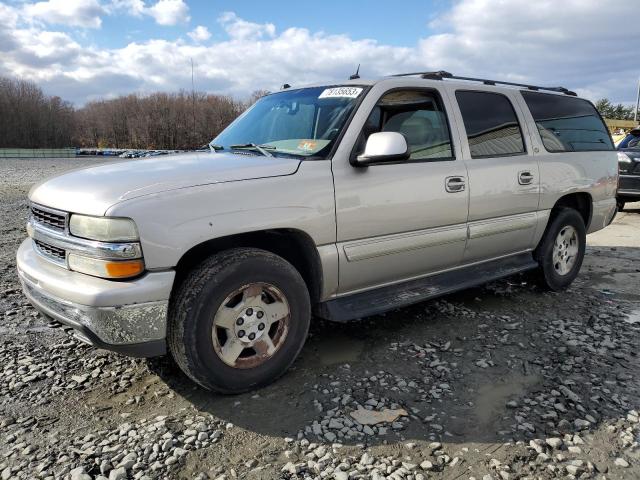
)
(398, 221)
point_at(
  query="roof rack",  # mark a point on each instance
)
(441, 75)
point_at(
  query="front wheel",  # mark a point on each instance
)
(561, 250)
(239, 320)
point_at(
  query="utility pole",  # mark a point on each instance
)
(193, 104)
(635, 113)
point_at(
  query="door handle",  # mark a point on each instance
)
(454, 184)
(525, 177)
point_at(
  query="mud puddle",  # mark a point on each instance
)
(493, 397)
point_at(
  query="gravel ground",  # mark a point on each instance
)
(500, 382)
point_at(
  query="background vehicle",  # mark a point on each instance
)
(342, 200)
(629, 166)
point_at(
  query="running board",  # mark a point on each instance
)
(379, 300)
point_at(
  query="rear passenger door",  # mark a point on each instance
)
(504, 180)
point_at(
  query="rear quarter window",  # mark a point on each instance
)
(568, 124)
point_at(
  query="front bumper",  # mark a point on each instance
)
(128, 317)
(629, 187)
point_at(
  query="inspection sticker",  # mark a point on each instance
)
(307, 145)
(345, 92)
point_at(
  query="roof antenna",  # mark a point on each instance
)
(356, 75)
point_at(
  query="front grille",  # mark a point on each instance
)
(637, 169)
(56, 221)
(55, 253)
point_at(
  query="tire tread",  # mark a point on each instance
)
(185, 300)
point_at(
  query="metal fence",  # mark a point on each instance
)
(37, 152)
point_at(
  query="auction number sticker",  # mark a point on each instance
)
(344, 92)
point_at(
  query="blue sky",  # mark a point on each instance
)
(356, 18)
(84, 50)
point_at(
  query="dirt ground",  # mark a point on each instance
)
(500, 382)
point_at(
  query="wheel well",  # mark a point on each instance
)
(581, 202)
(294, 246)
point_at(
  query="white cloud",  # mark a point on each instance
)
(580, 46)
(239, 29)
(169, 12)
(8, 15)
(75, 13)
(164, 12)
(132, 7)
(200, 34)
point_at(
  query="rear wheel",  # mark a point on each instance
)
(239, 320)
(620, 204)
(561, 250)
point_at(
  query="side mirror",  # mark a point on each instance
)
(383, 147)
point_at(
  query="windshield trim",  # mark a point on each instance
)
(338, 139)
(347, 123)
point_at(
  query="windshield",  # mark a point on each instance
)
(631, 141)
(304, 122)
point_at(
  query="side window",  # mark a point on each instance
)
(419, 116)
(491, 124)
(567, 124)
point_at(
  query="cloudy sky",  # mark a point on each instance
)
(87, 49)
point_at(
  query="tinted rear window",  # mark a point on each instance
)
(567, 124)
(491, 124)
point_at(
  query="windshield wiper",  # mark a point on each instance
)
(252, 146)
(215, 148)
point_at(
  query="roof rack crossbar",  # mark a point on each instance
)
(441, 75)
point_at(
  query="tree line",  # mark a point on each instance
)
(174, 121)
(179, 120)
(31, 119)
(614, 112)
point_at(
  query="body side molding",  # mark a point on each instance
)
(376, 247)
(484, 228)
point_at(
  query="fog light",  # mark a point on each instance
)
(105, 268)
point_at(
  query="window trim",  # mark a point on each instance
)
(438, 95)
(535, 122)
(515, 113)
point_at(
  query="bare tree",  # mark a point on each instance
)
(159, 120)
(31, 119)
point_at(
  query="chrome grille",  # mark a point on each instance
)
(57, 221)
(56, 254)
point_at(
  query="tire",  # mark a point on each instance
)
(620, 205)
(554, 272)
(204, 330)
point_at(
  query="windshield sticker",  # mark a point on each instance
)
(343, 92)
(307, 145)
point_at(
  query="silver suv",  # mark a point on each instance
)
(337, 201)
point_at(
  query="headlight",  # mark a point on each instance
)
(104, 229)
(623, 158)
(105, 268)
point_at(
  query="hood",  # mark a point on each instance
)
(632, 153)
(93, 190)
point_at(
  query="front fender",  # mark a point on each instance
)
(171, 223)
